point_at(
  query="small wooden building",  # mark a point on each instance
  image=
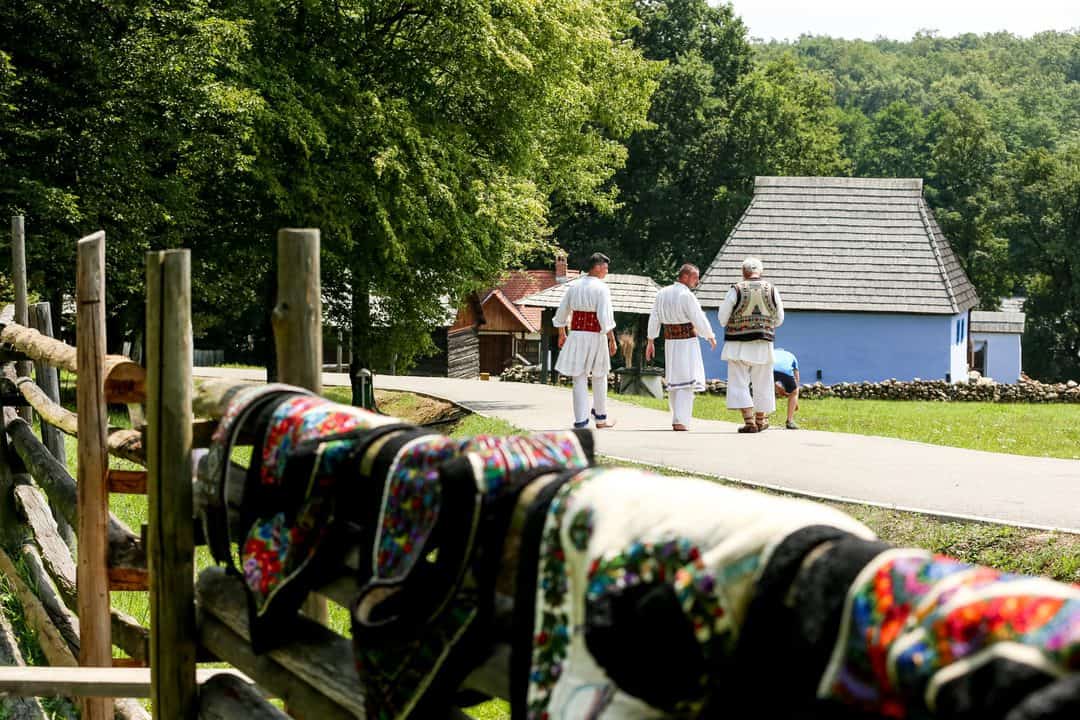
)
(457, 345)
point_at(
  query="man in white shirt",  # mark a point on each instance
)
(750, 313)
(679, 313)
(586, 308)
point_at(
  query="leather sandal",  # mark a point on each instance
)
(748, 429)
(679, 427)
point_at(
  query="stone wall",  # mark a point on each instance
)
(977, 390)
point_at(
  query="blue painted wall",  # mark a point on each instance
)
(852, 347)
(1003, 353)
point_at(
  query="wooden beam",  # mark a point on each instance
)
(226, 697)
(125, 549)
(48, 380)
(93, 507)
(171, 534)
(297, 321)
(104, 682)
(127, 482)
(318, 668)
(18, 272)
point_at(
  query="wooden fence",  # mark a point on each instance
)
(66, 598)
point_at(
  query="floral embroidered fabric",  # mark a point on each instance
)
(914, 620)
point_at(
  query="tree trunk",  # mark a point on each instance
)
(360, 342)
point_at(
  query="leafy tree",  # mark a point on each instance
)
(1042, 221)
(965, 157)
(896, 146)
(430, 140)
(717, 122)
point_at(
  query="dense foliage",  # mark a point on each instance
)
(992, 123)
(438, 143)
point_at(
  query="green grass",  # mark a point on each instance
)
(1051, 430)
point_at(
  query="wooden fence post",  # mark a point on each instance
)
(48, 380)
(93, 580)
(297, 321)
(18, 272)
(171, 551)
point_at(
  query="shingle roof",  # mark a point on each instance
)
(629, 294)
(845, 244)
(987, 321)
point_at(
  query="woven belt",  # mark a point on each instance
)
(683, 331)
(586, 321)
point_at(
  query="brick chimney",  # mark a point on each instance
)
(560, 267)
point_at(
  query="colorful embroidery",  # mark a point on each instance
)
(413, 495)
(910, 614)
(676, 561)
(305, 418)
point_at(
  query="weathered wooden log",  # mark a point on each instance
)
(95, 650)
(297, 323)
(48, 380)
(211, 397)
(124, 381)
(171, 532)
(22, 309)
(128, 634)
(125, 549)
(122, 442)
(226, 697)
(14, 707)
(315, 675)
(52, 642)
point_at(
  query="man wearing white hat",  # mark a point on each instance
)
(750, 313)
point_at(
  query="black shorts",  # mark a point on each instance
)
(787, 381)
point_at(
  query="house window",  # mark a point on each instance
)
(960, 327)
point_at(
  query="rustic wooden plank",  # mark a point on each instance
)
(98, 682)
(130, 482)
(302, 699)
(129, 579)
(93, 507)
(319, 657)
(125, 381)
(38, 578)
(225, 697)
(18, 272)
(124, 547)
(297, 322)
(168, 442)
(48, 380)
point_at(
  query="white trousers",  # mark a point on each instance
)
(740, 375)
(681, 402)
(582, 406)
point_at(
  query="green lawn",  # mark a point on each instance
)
(1051, 430)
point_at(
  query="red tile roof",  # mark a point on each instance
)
(522, 283)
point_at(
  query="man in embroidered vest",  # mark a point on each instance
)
(587, 350)
(750, 314)
(678, 311)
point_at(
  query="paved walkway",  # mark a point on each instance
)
(1037, 492)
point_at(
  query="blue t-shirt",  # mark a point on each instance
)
(785, 362)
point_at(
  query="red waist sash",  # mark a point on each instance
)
(585, 321)
(682, 331)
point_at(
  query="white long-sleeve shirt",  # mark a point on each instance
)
(751, 351)
(676, 305)
(586, 294)
(585, 353)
